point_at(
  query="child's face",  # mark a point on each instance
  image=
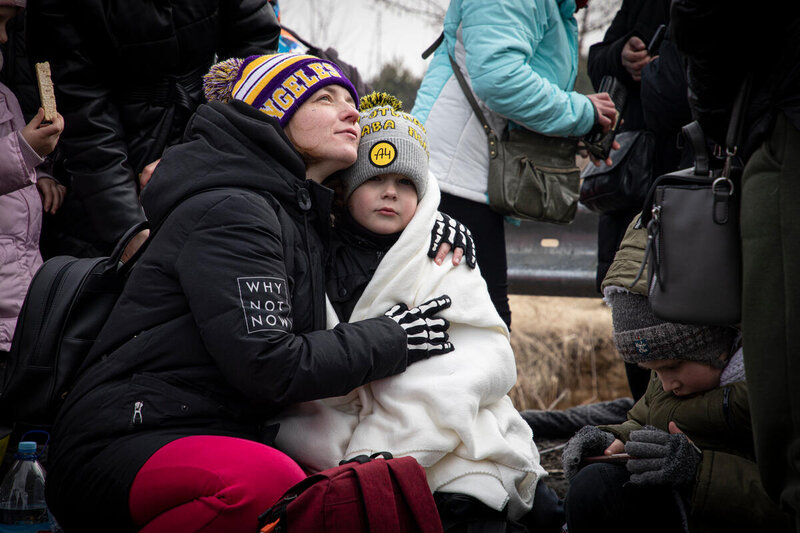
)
(384, 204)
(6, 13)
(685, 378)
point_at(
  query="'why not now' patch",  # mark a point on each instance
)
(265, 303)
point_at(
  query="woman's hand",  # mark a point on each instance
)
(43, 137)
(427, 334)
(605, 114)
(52, 194)
(448, 233)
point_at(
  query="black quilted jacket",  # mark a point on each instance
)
(724, 42)
(127, 76)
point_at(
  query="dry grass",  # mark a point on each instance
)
(565, 353)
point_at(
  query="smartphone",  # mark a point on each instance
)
(599, 144)
(613, 458)
(655, 42)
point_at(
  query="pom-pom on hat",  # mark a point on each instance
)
(392, 142)
(275, 84)
(640, 336)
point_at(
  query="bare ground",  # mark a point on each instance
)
(565, 357)
(565, 353)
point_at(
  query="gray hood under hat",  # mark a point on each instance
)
(641, 337)
(392, 142)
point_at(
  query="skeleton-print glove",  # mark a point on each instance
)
(588, 441)
(661, 458)
(427, 334)
(448, 230)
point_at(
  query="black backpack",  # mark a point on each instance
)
(67, 303)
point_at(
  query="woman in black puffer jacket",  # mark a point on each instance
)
(222, 320)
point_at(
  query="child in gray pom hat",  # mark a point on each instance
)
(688, 461)
(378, 196)
(453, 415)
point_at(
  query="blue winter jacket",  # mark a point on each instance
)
(521, 59)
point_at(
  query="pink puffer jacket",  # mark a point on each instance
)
(20, 214)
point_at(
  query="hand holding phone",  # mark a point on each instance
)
(613, 458)
(655, 43)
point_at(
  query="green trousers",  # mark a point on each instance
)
(770, 221)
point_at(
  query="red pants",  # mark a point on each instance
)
(209, 483)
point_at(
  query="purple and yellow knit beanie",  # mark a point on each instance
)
(275, 84)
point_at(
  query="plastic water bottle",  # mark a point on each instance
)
(22, 505)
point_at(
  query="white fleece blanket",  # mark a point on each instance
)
(450, 412)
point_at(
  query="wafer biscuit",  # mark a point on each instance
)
(46, 90)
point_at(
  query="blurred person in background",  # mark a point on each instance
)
(127, 77)
(521, 58)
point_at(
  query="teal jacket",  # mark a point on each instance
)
(521, 59)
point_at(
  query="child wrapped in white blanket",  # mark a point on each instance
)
(451, 412)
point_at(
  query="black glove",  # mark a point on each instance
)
(427, 335)
(588, 441)
(661, 458)
(448, 230)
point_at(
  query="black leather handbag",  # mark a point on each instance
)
(624, 184)
(694, 243)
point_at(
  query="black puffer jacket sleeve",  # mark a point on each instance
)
(709, 34)
(247, 27)
(256, 351)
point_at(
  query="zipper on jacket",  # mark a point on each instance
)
(726, 406)
(137, 413)
(304, 202)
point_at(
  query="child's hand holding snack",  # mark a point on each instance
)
(43, 137)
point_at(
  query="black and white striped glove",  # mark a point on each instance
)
(427, 334)
(448, 230)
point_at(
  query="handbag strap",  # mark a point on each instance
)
(434, 45)
(736, 126)
(694, 134)
(490, 133)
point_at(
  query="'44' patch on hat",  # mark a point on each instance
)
(382, 154)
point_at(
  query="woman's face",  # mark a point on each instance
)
(324, 130)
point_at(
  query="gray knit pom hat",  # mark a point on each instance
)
(640, 336)
(392, 142)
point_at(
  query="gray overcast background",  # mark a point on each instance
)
(371, 33)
